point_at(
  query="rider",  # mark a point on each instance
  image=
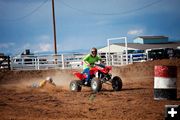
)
(48, 80)
(89, 61)
(43, 83)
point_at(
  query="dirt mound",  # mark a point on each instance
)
(144, 69)
(144, 72)
(134, 102)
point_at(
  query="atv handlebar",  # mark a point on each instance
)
(100, 65)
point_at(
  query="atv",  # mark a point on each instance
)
(99, 74)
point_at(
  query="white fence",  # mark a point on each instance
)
(33, 62)
(39, 62)
(118, 59)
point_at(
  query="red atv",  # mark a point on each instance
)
(99, 75)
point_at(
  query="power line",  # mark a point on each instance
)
(119, 13)
(27, 15)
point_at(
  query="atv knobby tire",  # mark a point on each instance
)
(96, 85)
(75, 86)
(116, 83)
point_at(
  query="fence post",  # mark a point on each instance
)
(112, 57)
(38, 63)
(62, 59)
(9, 67)
(11, 63)
(131, 58)
(145, 56)
(107, 58)
(122, 59)
(35, 63)
(22, 63)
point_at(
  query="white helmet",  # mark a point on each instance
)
(49, 79)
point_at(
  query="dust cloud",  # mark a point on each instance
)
(23, 79)
(62, 78)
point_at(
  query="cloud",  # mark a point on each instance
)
(44, 47)
(39, 47)
(135, 32)
(43, 38)
(6, 45)
(27, 46)
(44, 43)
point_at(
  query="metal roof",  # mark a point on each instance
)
(150, 46)
(152, 37)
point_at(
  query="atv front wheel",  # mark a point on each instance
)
(96, 85)
(116, 83)
(75, 86)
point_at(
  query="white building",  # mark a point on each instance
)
(114, 48)
(140, 45)
(120, 48)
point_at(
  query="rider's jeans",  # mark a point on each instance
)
(87, 71)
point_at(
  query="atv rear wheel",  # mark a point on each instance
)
(116, 83)
(96, 85)
(75, 86)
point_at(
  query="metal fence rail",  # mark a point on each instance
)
(4, 62)
(39, 62)
(118, 59)
(68, 61)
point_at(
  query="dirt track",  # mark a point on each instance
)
(134, 102)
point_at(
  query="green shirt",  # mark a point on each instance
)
(91, 60)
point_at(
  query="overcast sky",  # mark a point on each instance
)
(82, 24)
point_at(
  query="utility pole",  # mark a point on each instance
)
(54, 28)
(54, 31)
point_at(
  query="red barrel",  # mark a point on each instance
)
(165, 82)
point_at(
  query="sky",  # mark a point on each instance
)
(83, 24)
